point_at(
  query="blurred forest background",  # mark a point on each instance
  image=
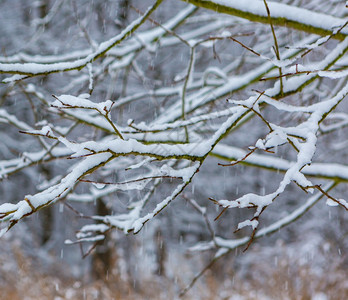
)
(181, 52)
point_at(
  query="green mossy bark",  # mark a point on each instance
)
(264, 19)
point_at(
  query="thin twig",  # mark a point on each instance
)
(201, 210)
(239, 160)
(276, 45)
(130, 181)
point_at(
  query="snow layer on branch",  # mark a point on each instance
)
(132, 146)
(68, 101)
(276, 226)
(69, 181)
(341, 202)
(233, 83)
(253, 224)
(36, 69)
(307, 130)
(53, 193)
(284, 11)
(29, 158)
(5, 117)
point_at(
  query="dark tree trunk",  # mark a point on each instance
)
(102, 256)
(43, 8)
(161, 253)
(47, 214)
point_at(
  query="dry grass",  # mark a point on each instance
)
(281, 277)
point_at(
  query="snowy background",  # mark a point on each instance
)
(142, 145)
